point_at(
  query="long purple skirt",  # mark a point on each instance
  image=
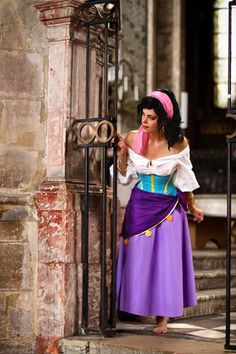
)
(155, 275)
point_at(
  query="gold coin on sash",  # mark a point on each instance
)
(169, 218)
(148, 233)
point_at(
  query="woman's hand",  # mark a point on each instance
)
(197, 213)
(122, 147)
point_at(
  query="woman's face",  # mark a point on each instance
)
(149, 120)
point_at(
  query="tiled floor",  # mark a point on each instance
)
(204, 328)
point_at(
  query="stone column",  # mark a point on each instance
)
(177, 51)
(151, 57)
(54, 199)
(169, 45)
(58, 197)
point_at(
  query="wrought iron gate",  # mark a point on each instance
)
(231, 163)
(100, 132)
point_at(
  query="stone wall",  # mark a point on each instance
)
(23, 53)
(43, 53)
(133, 47)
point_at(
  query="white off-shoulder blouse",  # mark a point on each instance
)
(184, 178)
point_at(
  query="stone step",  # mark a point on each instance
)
(213, 279)
(211, 301)
(138, 344)
(212, 259)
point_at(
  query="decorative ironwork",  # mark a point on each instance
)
(231, 145)
(97, 12)
(88, 134)
(89, 138)
(99, 132)
(108, 126)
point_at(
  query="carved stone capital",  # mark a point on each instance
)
(59, 11)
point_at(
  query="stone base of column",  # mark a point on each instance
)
(47, 345)
(56, 315)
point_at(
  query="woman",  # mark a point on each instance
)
(155, 274)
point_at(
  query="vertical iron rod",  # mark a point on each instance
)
(104, 193)
(105, 86)
(85, 251)
(103, 246)
(228, 250)
(228, 255)
(114, 200)
(229, 55)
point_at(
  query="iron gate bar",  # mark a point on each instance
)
(81, 120)
(230, 109)
(114, 190)
(99, 22)
(228, 253)
(94, 145)
(229, 140)
(229, 55)
(114, 20)
(103, 301)
(85, 228)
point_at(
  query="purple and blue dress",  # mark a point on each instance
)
(155, 275)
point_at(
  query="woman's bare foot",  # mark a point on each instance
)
(161, 325)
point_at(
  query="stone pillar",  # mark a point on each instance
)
(54, 199)
(177, 51)
(151, 57)
(60, 18)
(58, 197)
(169, 45)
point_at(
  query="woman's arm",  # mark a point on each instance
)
(196, 212)
(122, 151)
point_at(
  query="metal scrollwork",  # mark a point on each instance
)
(89, 138)
(100, 138)
(96, 11)
(90, 13)
(87, 132)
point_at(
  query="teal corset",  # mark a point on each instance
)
(157, 184)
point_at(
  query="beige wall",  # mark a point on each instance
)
(23, 71)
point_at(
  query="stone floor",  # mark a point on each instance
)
(205, 328)
(15, 347)
(201, 334)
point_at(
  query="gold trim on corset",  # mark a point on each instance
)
(167, 183)
(152, 183)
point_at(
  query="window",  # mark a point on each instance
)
(221, 55)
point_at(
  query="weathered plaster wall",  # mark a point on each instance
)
(22, 119)
(23, 70)
(133, 52)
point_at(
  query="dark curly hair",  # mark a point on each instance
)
(170, 127)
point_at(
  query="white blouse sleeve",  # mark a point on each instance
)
(185, 179)
(131, 174)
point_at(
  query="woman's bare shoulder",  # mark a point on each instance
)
(129, 139)
(181, 145)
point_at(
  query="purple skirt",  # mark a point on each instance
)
(155, 275)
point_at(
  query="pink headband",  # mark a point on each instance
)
(141, 138)
(165, 101)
